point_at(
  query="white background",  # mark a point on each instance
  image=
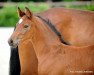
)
(5, 33)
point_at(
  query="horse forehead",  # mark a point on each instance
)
(20, 21)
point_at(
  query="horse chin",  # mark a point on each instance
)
(14, 46)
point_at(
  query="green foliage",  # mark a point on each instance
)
(22, 0)
(83, 7)
(8, 14)
(9, 17)
(69, 0)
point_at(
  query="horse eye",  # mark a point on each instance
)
(26, 26)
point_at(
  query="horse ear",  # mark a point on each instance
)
(20, 13)
(28, 13)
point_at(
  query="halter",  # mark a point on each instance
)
(48, 22)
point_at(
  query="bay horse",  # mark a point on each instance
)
(52, 57)
(76, 26)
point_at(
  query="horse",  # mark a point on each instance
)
(76, 26)
(14, 69)
(53, 57)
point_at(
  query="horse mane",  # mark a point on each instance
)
(48, 22)
(14, 64)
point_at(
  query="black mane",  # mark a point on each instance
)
(14, 65)
(48, 22)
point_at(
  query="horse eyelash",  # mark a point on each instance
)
(26, 26)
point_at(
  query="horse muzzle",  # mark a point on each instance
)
(13, 43)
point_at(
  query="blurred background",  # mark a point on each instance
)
(9, 18)
(8, 8)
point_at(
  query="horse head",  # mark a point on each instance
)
(22, 27)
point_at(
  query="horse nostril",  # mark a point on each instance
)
(10, 42)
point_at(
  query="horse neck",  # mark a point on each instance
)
(27, 55)
(43, 38)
